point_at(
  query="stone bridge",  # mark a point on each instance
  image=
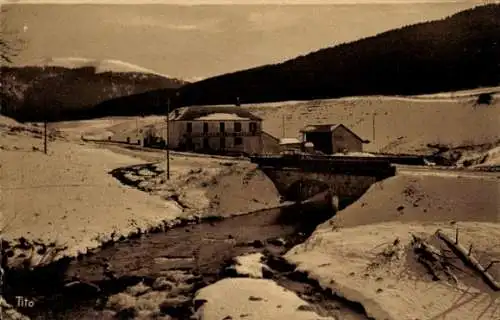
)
(298, 178)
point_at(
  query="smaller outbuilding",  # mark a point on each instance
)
(333, 138)
(287, 144)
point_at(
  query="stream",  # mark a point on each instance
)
(198, 253)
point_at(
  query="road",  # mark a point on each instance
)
(446, 172)
(157, 155)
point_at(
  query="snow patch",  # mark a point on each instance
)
(289, 140)
(250, 265)
(101, 66)
(222, 116)
(237, 298)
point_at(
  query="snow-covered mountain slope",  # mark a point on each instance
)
(107, 65)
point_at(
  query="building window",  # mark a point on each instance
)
(223, 143)
(206, 144)
(252, 127)
(205, 127)
(189, 127)
(222, 127)
(238, 141)
(237, 127)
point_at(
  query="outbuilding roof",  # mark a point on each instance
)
(328, 128)
(320, 127)
(212, 113)
(289, 141)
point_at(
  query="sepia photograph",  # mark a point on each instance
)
(250, 159)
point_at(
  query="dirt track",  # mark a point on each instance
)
(447, 172)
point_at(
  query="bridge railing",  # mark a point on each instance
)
(393, 159)
(345, 165)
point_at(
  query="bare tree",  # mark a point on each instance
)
(10, 42)
(10, 46)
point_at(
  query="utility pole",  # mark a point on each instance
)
(283, 126)
(168, 140)
(373, 126)
(137, 128)
(45, 136)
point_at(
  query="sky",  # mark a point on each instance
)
(232, 2)
(198, 41)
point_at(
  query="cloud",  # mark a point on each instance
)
(186, 27)
(210, 25)
(272, 19)
(194, 79)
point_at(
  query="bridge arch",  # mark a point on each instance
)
(303, 189)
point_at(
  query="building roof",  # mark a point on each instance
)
(320, 127)
(212, 113)
(270, 136)
(289, 141)
(327, 128)
(222, 116)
